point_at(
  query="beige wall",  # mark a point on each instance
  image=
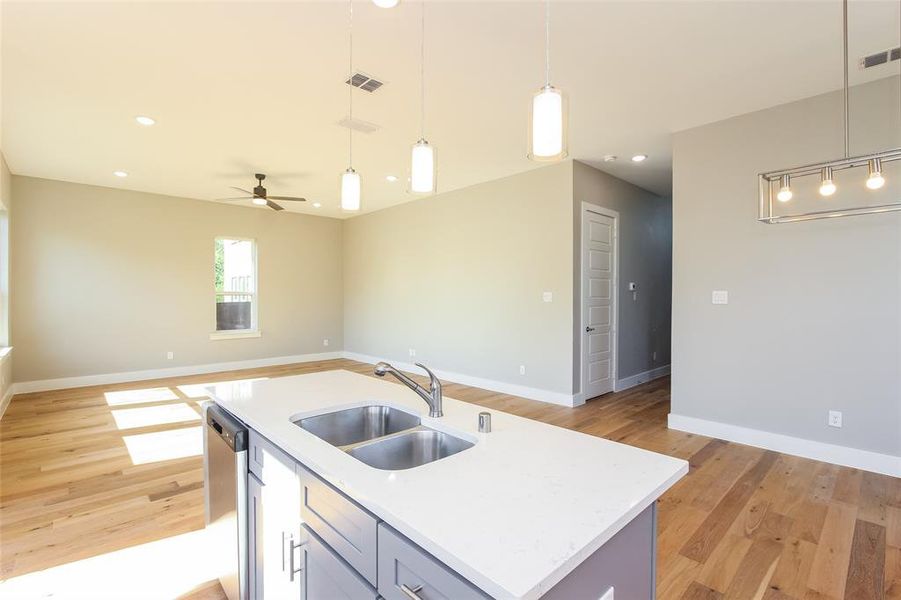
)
(108, 280)
(6, 360)
(814, 316)
(459, 277)
(645, 258)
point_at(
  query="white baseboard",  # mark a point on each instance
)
(4, 402)
(830, 453)
(639, 378)
(61, 383)
(486, 384)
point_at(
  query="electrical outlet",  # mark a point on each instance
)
(522, 369)
(170, 355)
(412, 352)
(719, 297)
(835, 418)
(325, 342)
(547, 296)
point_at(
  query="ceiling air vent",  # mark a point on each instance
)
(364, 82)
(358, 125)
(880, 58)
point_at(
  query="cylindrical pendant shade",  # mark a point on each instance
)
(350, 190)
(547, 131)
(422, 168)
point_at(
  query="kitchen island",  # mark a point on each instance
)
(529, 510)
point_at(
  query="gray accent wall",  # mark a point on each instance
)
(814, 316)
(645, 257)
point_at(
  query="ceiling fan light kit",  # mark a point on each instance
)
(776, 185)
(260, 196)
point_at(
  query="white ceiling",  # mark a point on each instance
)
(242, 87)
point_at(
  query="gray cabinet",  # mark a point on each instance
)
(346, 527)
(407, 571)
(274, 522)
(327, 577)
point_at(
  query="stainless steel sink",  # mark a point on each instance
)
(355, 425)
(383, 437)
(410, 449)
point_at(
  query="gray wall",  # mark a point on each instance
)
(814, 315)
(459, 277)
(108, 280)
(645, 257)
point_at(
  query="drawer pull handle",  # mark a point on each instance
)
(411, 592)
(291, 548)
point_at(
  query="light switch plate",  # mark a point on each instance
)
(548, 296)
(720, 297)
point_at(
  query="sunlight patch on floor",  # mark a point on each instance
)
(130, 418)
(139, 396)
(147, 448)
(199, 390)
(160, 570)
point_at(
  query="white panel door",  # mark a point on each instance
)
(598, 303)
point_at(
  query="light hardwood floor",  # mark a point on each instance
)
(745, 523)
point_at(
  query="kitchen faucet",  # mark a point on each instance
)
(432, 397)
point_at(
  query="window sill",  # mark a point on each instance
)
(235, 335)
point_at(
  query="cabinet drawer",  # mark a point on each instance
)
(347, 528)
(262, 454)
(327, 577)
(401, 562)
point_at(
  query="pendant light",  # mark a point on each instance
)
(350, 179)
(785, 189)
(547, 123)
(422, 159)
(875, 180)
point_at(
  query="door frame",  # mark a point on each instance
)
(588, 207)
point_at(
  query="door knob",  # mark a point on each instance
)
(589, 329)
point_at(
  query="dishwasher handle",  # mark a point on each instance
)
(222, 424)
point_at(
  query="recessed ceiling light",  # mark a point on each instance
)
(145, 121)
(316, 205)
(120, 173)
(391, 178)
(610, 158)
(639, 157)
(385, 3)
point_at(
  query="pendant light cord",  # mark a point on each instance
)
(547, 42)
(845, 71)
(350, 86)
(422, 72)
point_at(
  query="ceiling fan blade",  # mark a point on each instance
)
(288, 198)
(273, 205)
(242, 190)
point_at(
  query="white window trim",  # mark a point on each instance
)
(236, 334)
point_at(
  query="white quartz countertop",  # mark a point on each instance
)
(514, 514)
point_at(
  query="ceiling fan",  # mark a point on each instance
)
(260, 197)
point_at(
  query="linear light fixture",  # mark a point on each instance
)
(776, 185)
(771, 184)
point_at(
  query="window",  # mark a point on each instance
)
(235, 269)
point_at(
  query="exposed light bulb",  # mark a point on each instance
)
(875, 180)
(785, 191)
(385, 3)
(548, 128)
(350, 190)
(827, 186)
(422, 171)
(259, 201)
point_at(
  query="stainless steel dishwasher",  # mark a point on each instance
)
(225, 479)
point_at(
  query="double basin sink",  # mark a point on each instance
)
(383, 437)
